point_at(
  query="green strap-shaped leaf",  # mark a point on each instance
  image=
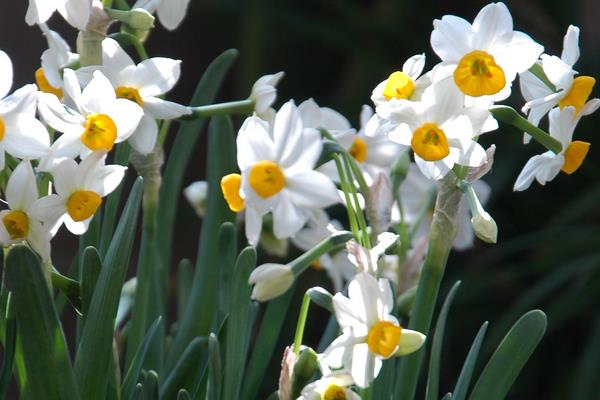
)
(433, 379)
(265, 343)
(49, 374)
(464, 379)
(509, 358)
(131, 378)
(215, 375)
(186, 369)
(237, 325)
(10, 345)
(586, 384)
(183, 147)
(94, 353)
(151, 386)
(90, 270)
(228, 251)
(199, 312)
(185, 273)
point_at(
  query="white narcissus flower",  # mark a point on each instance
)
(330, 387)
(58, 56)
(142, 84)
(17, 222)
(94, 122)
(195, 194)
(337, 265)
(75, 12)
(545, 167)
(571, 90)
(404, 85)
(366, 260)
(440, 130)
(21, 134)
(79, 192)
(277, 174)
(170, 12)
(370, 333)
(270, 281)
(482, 58)
(264, 94)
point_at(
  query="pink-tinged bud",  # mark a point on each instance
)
(379, 204)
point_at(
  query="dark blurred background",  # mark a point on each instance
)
(336, 51)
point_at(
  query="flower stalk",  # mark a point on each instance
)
(240, 107)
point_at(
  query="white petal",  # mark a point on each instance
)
(287, 134)
(55, 115)
(365, 366)
(144, 137)
(346, 313)
(39, 11)
(71, 89)
(522, 53)
(434, 169)
(590, 107)
(534, 166)
(287, 218)
(472, 155)
(492, 22)
(171, 13)
(21, 190)
(163, 109)
(64, 172)
(253, 225)
(364, 292)
(6, 74)
(311, 189)
(27, 138)
(49, 209)
(39, 239)
(532, 87)
(570, 53)
(125, 114)
(107, 179)
(76, 12)
(113, 55)
(451, 38)
(156, 76)
(97, 94)
(254, 143)
(414, 66)
(559, 73)
(77, 228)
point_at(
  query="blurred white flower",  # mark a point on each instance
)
(75, 12)
(195, 194)
(545, 167)
(264, 94)
(270, 281)
(54, 59)
(405, 85)
(370, 333)
(170, 12)
(18, 224)
(79, 192)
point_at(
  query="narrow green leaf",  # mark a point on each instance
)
(10, 344)
(183, 146)
(228, 251)
(237, 325)
(49, 374)
(433, 380)
(509, 358)
(95, 348)
(464, 379)
(265, 343)
(131, 378)
(70, 288)
(90, 270)
(185, 273)
(321, 297)
(586, 383)
(151, 386)
(183, 395)
(182, 375)
(204, 295)
(215, 376)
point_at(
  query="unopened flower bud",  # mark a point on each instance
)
(379, 204)
(485, 227)
(410, 341)
(270, 281)
(140, 19)
(196, 196)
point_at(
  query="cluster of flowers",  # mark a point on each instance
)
(55, 179)
(437, 116)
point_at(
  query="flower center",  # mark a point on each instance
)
(574, 156)
(359, 150)
(82, 204)
(399, 86)
(129, 93)
(100, 132)
(44, 85)
(429, 142)
(230, 186)
(334, 392)
(17, 224)
(383, 338)
(266, 178)
(477, 74)
(579, 93)
(2, 129)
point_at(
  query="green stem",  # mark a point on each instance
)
(344, 183)
(125, 39)
(89, 47)
(301, 323)
(162, 134)
(508, 115)
(107, 3)
(441, 236)
(301, 263)
(239, 107)
(360, 218)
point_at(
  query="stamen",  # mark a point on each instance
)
(430, 143)
(359, 150)
(399, 85)
(266, 178)
(334, 392)
(82, 204)
(129, 93)
(100, 132)
(17, 224)
(477, 74)
(383, 338)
